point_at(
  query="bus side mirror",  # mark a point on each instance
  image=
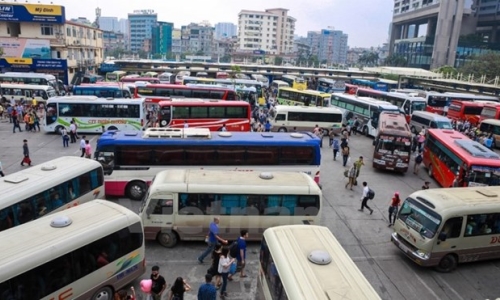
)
(442, 236)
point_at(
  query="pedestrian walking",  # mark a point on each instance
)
(426, 185)
(393, 208)
(355, 125)
(26, 154)
(36, 124)
(331, 136)
(1, 170)
(224, 265)
(159, 284)
(82, 145)
(207, 290)
(65, 137)
(123, 295)
(15, 122)
(365, 198)
(351, 175)
(178, 289)
(345, 154)
(214, 267)
(359, 163)
(212, 238)
(242, 252)
(88, 149)
(336, 147)
(72, 133)
(418, 162)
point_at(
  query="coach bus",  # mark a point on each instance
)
(92, 114)
(300, 262)
(392, 143)
(176, 90)
(134, 158)
(465, 111)
(291, 96)
(166, 78)
(47, 188)
(27, 92)
(295, 82)
(101, 91)
(29, 78)
(490, 111)
(215, 115)
(115, 76)
(306, 118)
(327, 85)
(491, 126)
(180, 204)
(436, 102)
(444, 227)
(86, 253)
(455, 160)
(366, 110)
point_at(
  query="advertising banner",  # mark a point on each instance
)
(25, 48)
(45, 13)
(57, 67)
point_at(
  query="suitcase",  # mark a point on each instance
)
(27, 160)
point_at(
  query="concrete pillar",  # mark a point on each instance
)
(395, 35)
(415, 33)
(447, 33)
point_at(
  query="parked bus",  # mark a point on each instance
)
(444, 227)
(376, 85)
(166, 78)
(27, 92)
(216, 115)
(135, 158)
(143, 79)
(115, 76)
(451, 156)
(436, 102)
(366, 110)
(295, 82)
(277, 84)
(261, 78)
(392, 143)
(327, 85)
(101, 91)
(465, 110)
(291, 96)
(299, 260)
(179, 78)
(176, 90)
(490, 111)
(421, 120)
(306, 118)
(150, 74)
(180, 204)
(94, 115)
(222, 75)
(47, 188)
(29, 78)
(491, 126)
(87, 252)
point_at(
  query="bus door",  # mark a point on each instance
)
(165, 115)
(159, 217)
(449, 239)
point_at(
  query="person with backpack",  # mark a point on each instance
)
(178, 289)
(368, 194)
(418, 161)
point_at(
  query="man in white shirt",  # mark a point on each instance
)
(365, 198)
(72, 132)
(82, 146)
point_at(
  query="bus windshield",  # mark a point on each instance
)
(394, 145)
(443, 125)
(418, 106)
(437, 101)
(420, 218)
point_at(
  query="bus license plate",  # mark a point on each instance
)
(403, 248)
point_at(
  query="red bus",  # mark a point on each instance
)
(211, 114)
(182, 91)
(144, 79)
(448, 154)
(490, 111)
(437, 101)
(465, 110)
(222, 75)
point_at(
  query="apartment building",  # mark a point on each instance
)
(332, 46)
(197, 38)
(271, 30)
(225, 30)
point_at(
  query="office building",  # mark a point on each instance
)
(197, 39)
(162, 38)
(141, 24)
(312, 40)
(176, 41)
(271, 30)
(108, 24)
(332, 47)
(225, 30)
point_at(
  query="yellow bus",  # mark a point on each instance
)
(444, 227)
(295, 82)
(291, 96)
(115, 76)
(306, 262)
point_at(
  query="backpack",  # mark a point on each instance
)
(233, 249)
(371, 194)
(419, 159)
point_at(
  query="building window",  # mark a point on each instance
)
(68, 31)
(47, 29)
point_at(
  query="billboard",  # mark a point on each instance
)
(25, 48)
(45, 13)
(57, 67)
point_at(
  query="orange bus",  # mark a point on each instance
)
(490, 111)
(211, 114)
(183, 91)
(392, 143)
(465, 110)
(450, 155)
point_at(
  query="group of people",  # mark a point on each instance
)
(27, 114)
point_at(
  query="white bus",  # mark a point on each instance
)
(87, 252)
(444, 227)
(180, 204)
(366, 110)
(305, 118)
(276, 84)
(27, 92)
(50, 187)
(166, 77)
(261, 78)
(300, 262)
(29, 78)
(94, 115)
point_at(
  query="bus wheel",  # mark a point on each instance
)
(282, 129)
(167, 239)
(365, 130)
(447, 264)
(105, 293)
(58, 129)
(430, 171)
(112, 128)
(136, 190)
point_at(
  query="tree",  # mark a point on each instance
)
(1, 51)
(278, 60)
(395, 60)
(157, 56)
(368, 59)
(486, 64)
(142, 54)
(235, 69)
(313, 61)
(446, 70)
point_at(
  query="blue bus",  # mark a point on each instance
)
(376, 85)
(329, 86)
(132, 159)
(102, 91)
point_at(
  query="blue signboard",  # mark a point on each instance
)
(44, 13)
(56, 67)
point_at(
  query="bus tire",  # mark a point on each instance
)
(59, 129)
(104, 293)
(365, 131)
(167, 239)
(282, 129)
(112, 128)
(135, 190)
(447, 264)
(430, 171)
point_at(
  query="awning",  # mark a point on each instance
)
(403, 71)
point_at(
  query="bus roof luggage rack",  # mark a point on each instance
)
(177, 133)
(477, 150)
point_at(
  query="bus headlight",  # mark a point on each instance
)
(379, 162)
(422, 254)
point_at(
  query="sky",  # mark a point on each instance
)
(365, 21)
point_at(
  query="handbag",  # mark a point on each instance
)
(232, 268)
(346, 173)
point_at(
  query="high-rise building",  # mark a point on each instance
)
(162, 38)
(225, 30)
(313, 41)
(271, 30)
(141, 24)
(176, 41)
(197, 39)
(332, 46)
(108, 23)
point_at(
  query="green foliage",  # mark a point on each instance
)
(395, 60)
(142, 54)
(235, 69)
(1, 51)
(157, 56)
(278, 60)
(486, 64)
(446, 70)
(368, 59)
(390, 76)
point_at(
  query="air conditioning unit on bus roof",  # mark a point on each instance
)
(177, 133)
